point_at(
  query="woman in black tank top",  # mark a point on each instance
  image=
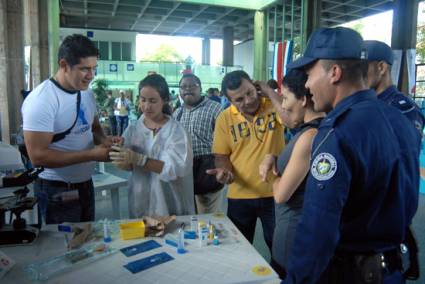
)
(293, 164)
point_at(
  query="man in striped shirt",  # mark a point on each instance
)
(198, 115)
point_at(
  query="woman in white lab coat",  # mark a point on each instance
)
(158, 152)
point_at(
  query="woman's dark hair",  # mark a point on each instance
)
(272, 83)
(295, 80)
(75, 47)
(158, 82)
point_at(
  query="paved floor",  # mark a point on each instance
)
(104, 210)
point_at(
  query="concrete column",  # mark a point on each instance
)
(404, 35)
(261, 36)
(228, 46)
(32, 42)
(53, 34)
(310, 19)
(206, 51)
(43, 37)
(11, 66)
(4, 121)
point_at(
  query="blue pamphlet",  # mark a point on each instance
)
(64, 228)
(148, 262)
(139, 248)
(171, 242)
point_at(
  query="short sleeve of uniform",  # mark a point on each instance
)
(221, 135)
(410, 109)
(327, 190)
(39, 114)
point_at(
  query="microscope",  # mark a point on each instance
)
(18, 232)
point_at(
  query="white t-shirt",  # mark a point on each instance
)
(50, 108)
(122, 106)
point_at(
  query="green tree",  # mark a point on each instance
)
(164, 53)
(99, 88)
(358, 27)
(420, 37)
(296, 48)
(420, 44)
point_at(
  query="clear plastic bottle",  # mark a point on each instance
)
(203, 237)
(194, 223)
(106, 233)
(180, 242)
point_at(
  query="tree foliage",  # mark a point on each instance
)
(358, 27)
(164, 53)
(420, 44)
(99, 87)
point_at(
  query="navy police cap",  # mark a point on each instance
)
(331, 43)
(378, 51)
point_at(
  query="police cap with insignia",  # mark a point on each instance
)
(331, 43)
(378, 51)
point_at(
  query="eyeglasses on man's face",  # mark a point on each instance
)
(188, 86)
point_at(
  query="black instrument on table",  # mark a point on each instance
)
(18, 232)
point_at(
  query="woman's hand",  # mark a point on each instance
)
(268, 164)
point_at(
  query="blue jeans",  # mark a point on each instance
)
(58, 204)
(113, 123)
(244, 214)
(122, 123)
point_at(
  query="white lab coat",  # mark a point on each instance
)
(171, 191)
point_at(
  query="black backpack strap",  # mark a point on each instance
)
(59, 136)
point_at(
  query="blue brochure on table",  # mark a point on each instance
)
(148, 262)
(139, 248)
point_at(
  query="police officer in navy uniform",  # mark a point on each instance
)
(380, 58)
(361, 191)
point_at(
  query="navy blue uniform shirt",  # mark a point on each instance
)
(362, 189)
(406, 105)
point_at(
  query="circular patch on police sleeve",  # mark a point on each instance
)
(418, 126)
(324, 166)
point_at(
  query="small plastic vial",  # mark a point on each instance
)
(180, 242)
(193, 223)
(216, 242)
(211, 231)
(200, 227)
(106, 234)
(203, 237)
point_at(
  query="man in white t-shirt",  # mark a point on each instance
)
(65, 189)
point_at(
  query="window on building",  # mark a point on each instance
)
(103, 50)
(120, 50)
(126, 51)
(116, 50)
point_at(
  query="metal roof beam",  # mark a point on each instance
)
(349, 3)
(175, 6)
(203, 8)
(142, 11)
(85, 14)
(114, 11)
(366, 8)
(228, 11)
